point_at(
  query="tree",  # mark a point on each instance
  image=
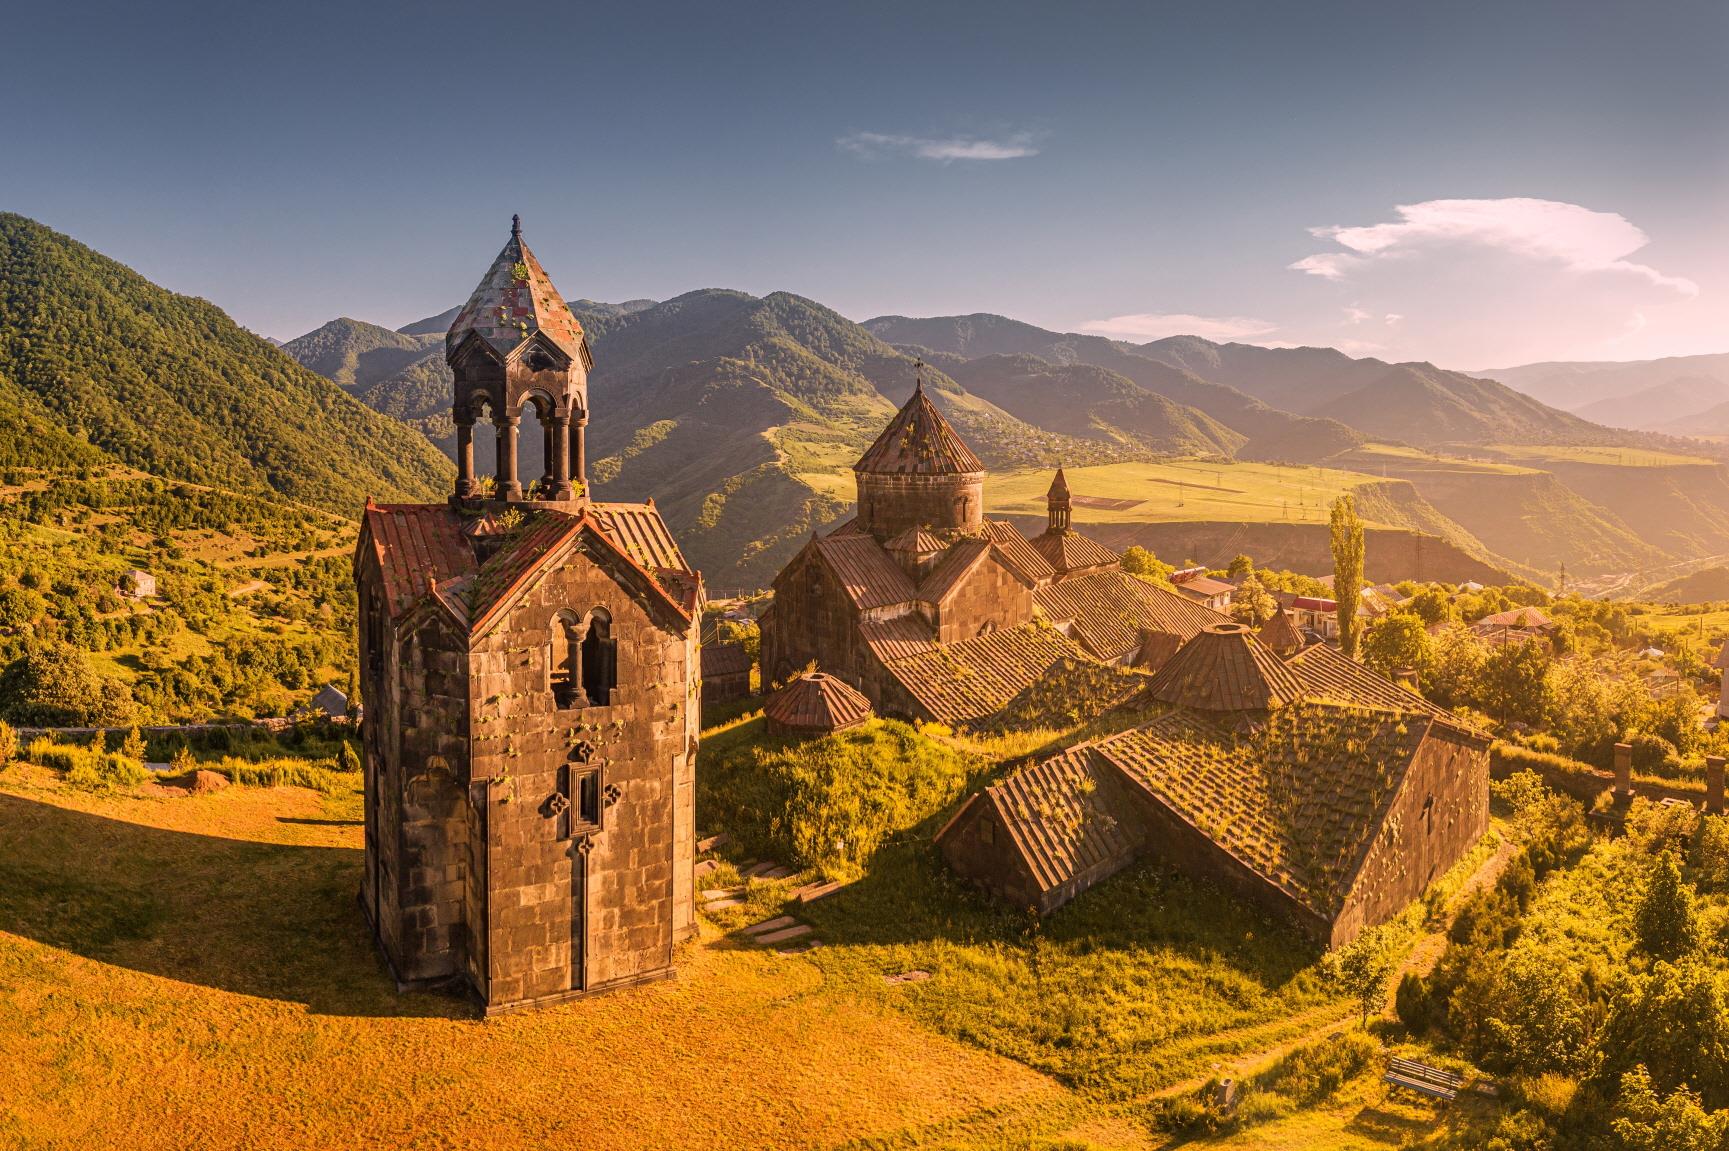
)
(350, 759)
(1709, 856)
(1240, 566)
(1678, 1122)
(1253, 604)
(1362, 968)
(1667, 922)
(1515, 683)
(53, 684)
(133, 747)
(8, 743)
(1396, 641)
(1347, 532)
(1432, 605)
(1674, 1021)
(1138, 561)
(353, 691)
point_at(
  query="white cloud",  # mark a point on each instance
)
(1157, 325)
(1574, 237)
(944, 149)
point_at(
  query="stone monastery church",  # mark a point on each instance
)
(1275, 766)
(529, 667)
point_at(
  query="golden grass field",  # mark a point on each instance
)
(193, 972)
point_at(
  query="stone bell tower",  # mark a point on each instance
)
(515, 348)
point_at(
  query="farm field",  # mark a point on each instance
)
(1179, 490)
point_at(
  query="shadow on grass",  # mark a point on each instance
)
(1389, 1127)
(275, 921)
(308, 822)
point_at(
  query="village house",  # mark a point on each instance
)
(528, 657)
(1196, 585)
(137, 583)
(934, 612)
(1304, 783)
(1516, 626)
(331, 702)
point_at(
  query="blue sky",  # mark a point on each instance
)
(1235, 169)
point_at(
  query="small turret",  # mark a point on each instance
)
(1057, 504)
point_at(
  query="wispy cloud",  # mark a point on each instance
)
(944, 149)
(1158, 325)
(1552, 231)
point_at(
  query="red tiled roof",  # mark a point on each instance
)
(961, 682)
(1225, 668)
(864, 569)
(919, 541)
(892, 639)
(919, 441)
(724, 659)
(1299, 801)
(641, 533)
(513, 301)
(1108, 611)
(415, 544)
(1061, 816)
(817, 701)
(1018, 552)
(1071, 551)
(1526, 617)
(1280, 634)
(511, 566)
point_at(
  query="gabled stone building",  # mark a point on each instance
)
(1305, 783)
(935, 612)
(528, 657)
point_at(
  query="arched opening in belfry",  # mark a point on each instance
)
(536, 446)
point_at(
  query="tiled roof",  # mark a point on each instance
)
(513, 301)
(1071, 551)
(416, 544)
(918, 441)
(1526, 617)
(864, 569)
(1225, 668)
(1298, 801)
(1018, 552)
(640, 532)
(892, 639)
(961, 682)
(1205, 586)
(1062, 817)
(1280, 634)
(1326, 674)
(423, 550)
(725, 659)
(1110, 609)
(960, 559)
(919, 541)
(817, 701)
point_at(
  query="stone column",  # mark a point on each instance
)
(579, 452)
(1714, 784)
(1623, 772)
(546, 449)
(558, 457)
(465, 460)
(509, 487)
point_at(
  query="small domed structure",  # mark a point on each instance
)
(815, 704)
(1225, 668)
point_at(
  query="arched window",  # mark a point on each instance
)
(987, 627)
(599, 658)
(564, 661)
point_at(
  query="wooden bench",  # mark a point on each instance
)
(1426, 1080)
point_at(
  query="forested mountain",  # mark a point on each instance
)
(1423, 404)
(97, 363)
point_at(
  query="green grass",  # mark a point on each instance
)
(1182, 490)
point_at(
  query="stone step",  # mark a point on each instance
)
(713, 842)
(757, 871)
(722, 904)
(781, 872)
(714, 893)
(811, 892)
(784, 934)
(774, 924)
(706, 867)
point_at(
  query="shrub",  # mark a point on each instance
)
(1413, 1004)
(320, 775)
(8, 743)
(87, 767)
(1314, 1074)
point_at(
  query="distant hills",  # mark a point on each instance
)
(1678, 395)
(99, 365)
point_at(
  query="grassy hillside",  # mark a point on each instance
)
(170, 385)
(1705, 586)
(357, 355)
(1423, 404)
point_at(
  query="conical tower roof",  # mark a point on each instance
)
(817, 702)
(513, 301)
(1225, 668)
(1280, 634)
(919, 441)
(1059, 488)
